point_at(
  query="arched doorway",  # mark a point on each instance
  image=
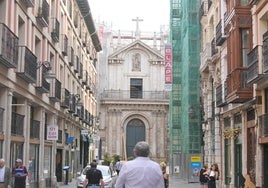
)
(135, 133)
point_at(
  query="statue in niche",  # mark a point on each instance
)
(136, 62)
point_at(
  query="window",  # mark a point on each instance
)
(135, 88)
(244, 46)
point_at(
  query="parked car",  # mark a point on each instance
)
(109, 177)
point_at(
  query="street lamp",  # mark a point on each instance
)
(49, 76)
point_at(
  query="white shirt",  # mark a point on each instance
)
(140, 173)
(2, 174)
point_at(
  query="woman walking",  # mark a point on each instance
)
(213, 176)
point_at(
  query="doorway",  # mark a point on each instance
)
(135, 133)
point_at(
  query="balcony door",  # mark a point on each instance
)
(135, 133)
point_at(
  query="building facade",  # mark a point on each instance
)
(134, 104)
(48, 57)
(234, 82)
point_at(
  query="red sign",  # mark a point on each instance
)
(168, 64)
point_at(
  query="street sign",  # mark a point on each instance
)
(84, 132)
(52, 132)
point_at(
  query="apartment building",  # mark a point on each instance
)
(234, 82)
(48, 58)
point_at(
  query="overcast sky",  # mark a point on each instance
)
(119, 13)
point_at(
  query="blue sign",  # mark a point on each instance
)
(194, 165)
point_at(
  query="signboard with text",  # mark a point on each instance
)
(52, 132)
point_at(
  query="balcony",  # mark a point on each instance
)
(43, 14)
(85, 77)
(42, 85)
(72, 103)
(127, 94)
(238, 91)
(80, 71)
(65, 98)
(34, 129)
(28, 3)
(64, 45)
(27, 68)
(71, 56)
(263, 124)
(55, 90)
(76, 64)
(253, 74)
(220, 37)
(17, 124)
(55, 34)
(8, 47)
(220, 98)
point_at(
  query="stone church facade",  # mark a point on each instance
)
(133, 102)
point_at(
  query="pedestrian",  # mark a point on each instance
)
(118, 166)
(203, 176)
(94, 178)
(19, 173)
(165, 174)
(140, 172)
(5, 175)
(213, 176)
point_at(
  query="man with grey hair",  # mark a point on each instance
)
(140, 172)
(5, 175)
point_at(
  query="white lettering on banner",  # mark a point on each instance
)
(52, 132)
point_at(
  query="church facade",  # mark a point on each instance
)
(133, 101)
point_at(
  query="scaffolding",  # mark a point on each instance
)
(185, 119)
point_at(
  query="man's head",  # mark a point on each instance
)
(93, 165)
(141, 149)
(2, 163)
(18, 161)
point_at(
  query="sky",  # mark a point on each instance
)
(119, 13)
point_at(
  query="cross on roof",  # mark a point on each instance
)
(137, 20)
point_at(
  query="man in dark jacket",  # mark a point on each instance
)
(94, 177)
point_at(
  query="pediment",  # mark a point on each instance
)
(154, 56)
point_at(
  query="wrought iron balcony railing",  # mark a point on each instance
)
(43, 13)
(220, 101)
(35, 129)
(64, 45)
(220, 38)
(17, 124)
(85, 77)
(80, 70)
(42, 85)
(72, 103)
(55, 33)
(253, 64)
(127, 94)
(65, 98)
(8, 47)
(55, 90)
(27, 68)
(71, 56)
(76, 65)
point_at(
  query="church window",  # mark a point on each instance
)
(135, 88)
